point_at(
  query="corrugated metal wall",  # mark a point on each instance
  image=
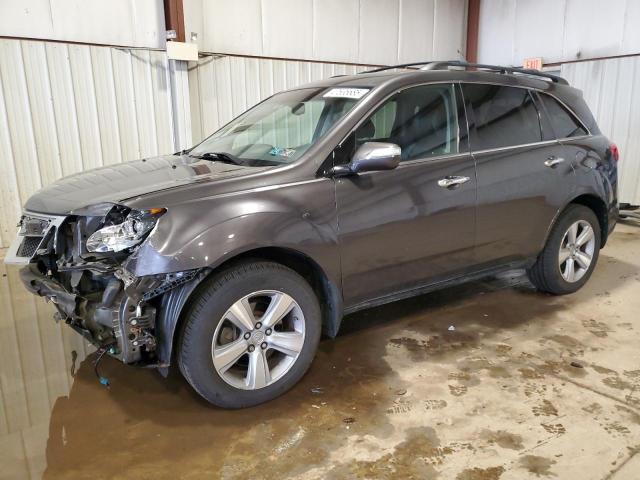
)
(134, 23)
(612, 91)
(557, 30)
(66, 108)
(345, 31)
(221, 88)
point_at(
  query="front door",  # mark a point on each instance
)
(403, 228)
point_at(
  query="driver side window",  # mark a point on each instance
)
(422, 120)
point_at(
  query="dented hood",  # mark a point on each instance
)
(118, 182)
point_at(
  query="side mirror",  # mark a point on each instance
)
(371, 157)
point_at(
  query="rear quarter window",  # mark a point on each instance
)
(564, 124)
(501, 116)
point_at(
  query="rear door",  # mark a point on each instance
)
(569, 131)
(400, 228)
(523, 176)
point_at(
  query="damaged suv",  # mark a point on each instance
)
(232, 258)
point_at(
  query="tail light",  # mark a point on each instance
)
(615, 154)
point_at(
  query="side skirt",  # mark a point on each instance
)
(430, 287)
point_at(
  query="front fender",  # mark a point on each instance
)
(207, 232)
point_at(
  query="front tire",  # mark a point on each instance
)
(250, 334)
(570, 254)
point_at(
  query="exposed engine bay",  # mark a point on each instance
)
(76, 262)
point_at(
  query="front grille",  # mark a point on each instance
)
(35, 232)
(29, 246)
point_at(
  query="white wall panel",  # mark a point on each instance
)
(288, 28)
(232, 27)
(125, 112)
(67, 135)
(85, 110)
(530, 40)
(496, 31)
(23, 153)
(41, 111)
(612, 91)
(193, 11)
(9, 193)
(584, 35)
(143, 94)
(346, 31)
(135, 23)
(162, 106)
(450, 29)
(415, 39)
(335, 30)
(557, 30)
(180, 105)
(631, 34)
(66, 108)
(378, 40)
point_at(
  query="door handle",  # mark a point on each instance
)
(552, 161)
(452, 181)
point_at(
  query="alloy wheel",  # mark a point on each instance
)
(576, 251)
(258, 339)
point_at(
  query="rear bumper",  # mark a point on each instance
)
(612, 219)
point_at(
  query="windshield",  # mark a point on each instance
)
(280, 129)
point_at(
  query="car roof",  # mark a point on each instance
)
(407, 77)
(388, 80)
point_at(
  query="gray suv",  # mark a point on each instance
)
(232, 258)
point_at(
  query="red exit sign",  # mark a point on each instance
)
(533, 63)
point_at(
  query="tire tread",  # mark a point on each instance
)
(542, 274)
(203, 295)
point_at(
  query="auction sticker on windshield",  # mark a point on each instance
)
(346, 92)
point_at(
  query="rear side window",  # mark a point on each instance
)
(502, 116)
(564, 124)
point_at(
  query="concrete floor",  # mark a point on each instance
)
(478, 382)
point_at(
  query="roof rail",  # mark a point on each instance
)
(390, 67)
(437, 65)
(494, 68)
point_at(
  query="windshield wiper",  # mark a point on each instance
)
(219, 157)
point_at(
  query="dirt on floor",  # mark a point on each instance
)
(485, 381)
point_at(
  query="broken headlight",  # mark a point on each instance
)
(118, 237)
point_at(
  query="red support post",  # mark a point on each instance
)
(174, 18)
(473, 21)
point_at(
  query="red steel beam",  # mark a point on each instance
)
(473, 21)
(174, 18)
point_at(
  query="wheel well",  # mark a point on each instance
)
(329, 295)
(600, 209)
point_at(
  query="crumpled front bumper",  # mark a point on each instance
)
(65, 302)
(111, 320)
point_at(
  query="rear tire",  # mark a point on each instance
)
(570, 254)
(250, 334)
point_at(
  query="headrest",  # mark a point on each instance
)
(367, 130)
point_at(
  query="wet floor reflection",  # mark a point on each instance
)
(38, 359)
(56, 420)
